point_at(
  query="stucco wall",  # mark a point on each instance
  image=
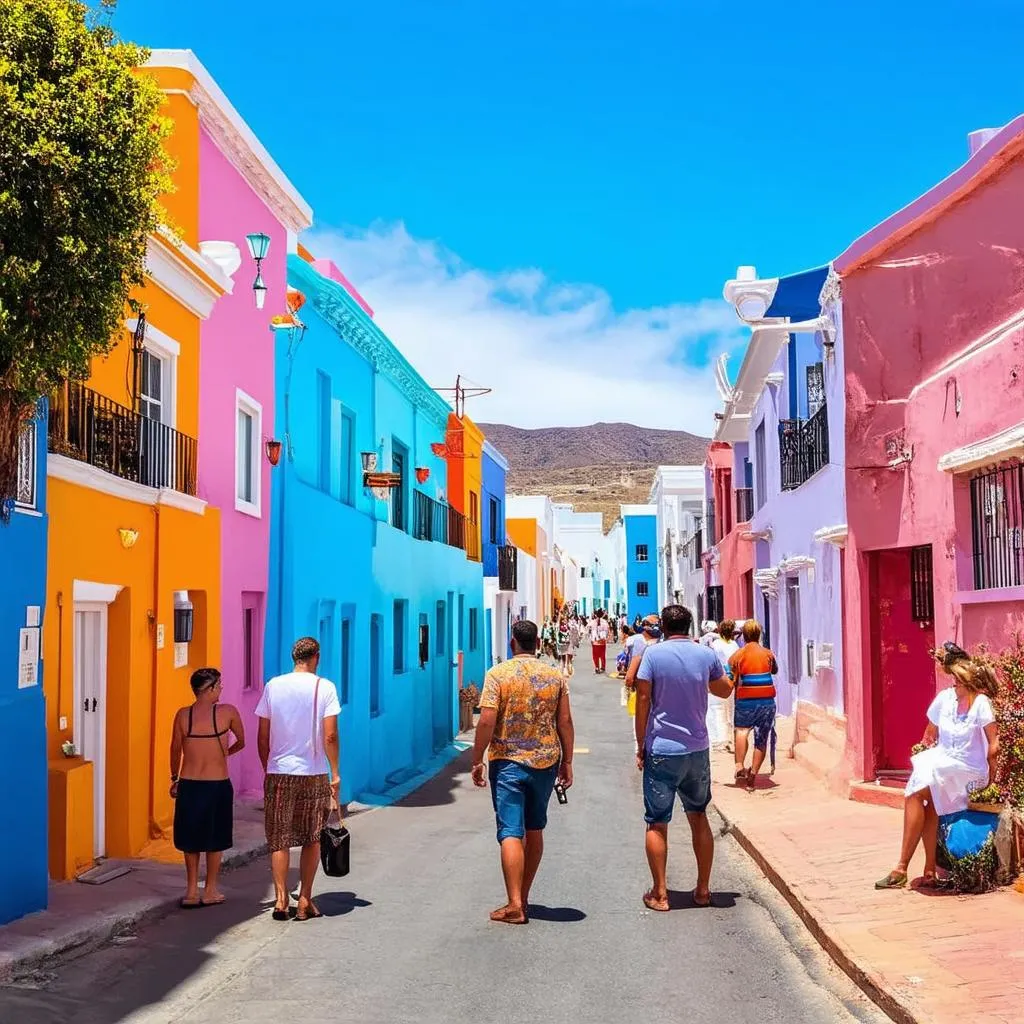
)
(641, 530)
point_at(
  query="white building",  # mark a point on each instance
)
(678, 497)
(616, 539)
(581, 535)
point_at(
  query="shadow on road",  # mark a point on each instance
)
(337, 904)
(439, 790)
(560, 915)
(684, 900)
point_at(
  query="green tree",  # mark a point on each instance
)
(82, 171)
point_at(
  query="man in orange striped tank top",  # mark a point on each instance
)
(753, 668)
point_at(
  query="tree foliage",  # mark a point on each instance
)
(82, 171)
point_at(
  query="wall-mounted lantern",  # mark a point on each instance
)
(259, 246)
(273, 452)
(183, 617)
(128, 538)
(422, 474)
(369, 461)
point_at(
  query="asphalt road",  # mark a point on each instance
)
(407, 939)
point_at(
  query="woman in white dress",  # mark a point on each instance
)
(961, 742)
(719, 716)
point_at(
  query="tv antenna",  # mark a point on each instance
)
(460, 394)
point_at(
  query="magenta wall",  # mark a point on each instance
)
(237, 352)
(907, 315)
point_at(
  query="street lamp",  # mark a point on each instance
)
(259, 246)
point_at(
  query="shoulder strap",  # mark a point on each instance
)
(316, 714)
(189, 733)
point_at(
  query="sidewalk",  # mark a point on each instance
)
(923, 957)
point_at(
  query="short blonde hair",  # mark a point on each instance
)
(975, 675)
(752, 631)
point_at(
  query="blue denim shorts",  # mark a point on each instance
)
(520, 796)
(689, 775)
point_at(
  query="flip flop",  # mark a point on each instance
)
(503, 915)
(699, 903)
(188, 905)
(893, 880)
(213, 903)
(651, 902)
(280, 915)
(311, 914)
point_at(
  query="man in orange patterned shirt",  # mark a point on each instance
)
(526, 727)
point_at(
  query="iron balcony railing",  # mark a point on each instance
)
(508, 567)
(456, 529)
(88, 427)
(803, 448)
(744, 504)
(437, 520)
(709, 523)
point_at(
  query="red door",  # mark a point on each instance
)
(904, 671)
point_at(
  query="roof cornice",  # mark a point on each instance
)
(350, 322)
(236, 140)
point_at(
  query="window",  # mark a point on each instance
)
(398, 636)
(252, 605)
(326, 639)
(583, 573)
(25, 492)
(376, 637)
(715, 603)
(997, 520)
(345, 676)
(474, 628)
(921, 594)
(323, 431)
(399, 462)
(793, 629)
(641, 552)
(760, 465)
(462, 623)
(348, 434)
(474, 507)
(424, 641)
(642, 589)
(497, 534)
(248, 432)
(151, 391)
(766, 621)
(439, 634)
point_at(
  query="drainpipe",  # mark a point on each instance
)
(154, 830)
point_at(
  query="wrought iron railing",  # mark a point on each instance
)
(803, 448)
(997, 527)
(88, 427)
(508, 567)
(429, 518)
(709, 523)
(744, 504)
(456, 529)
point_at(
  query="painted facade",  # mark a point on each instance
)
(728, 554)
(581, 536)
(932, 333)
(240, 191)
(500, 559)
(640, 526)
(465, 445)
(530, 521)
(677, 494)
(397, 606)
(23, 807)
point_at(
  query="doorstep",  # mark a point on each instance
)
(923, 958)
(83, 915)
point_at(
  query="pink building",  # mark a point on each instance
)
(729, 556)
(242, 191)
(933, 340)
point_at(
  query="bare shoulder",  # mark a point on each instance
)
(230, 709)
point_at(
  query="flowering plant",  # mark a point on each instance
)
(469, 695)
(1009, 706)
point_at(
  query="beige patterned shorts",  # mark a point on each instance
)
(295, 809)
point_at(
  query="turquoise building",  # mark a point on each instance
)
(379, 578)
(23, 782)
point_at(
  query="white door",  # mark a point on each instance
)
(90, 706)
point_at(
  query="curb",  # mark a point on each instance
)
(37, 951)
(866, 980)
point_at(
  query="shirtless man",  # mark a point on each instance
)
(204, 798)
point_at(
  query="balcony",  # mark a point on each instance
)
(435, 520)
(744, 504)
(88, 427)
(508, 567)
(709, 522)
(803, 448)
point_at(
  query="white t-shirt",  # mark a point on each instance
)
(599, 632)
(288, 702)
(963, 737)
(725, 649)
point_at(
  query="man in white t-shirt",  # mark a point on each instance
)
(297, 739)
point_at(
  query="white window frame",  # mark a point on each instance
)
(637, 555)
(167, 350)
(29, 432)
(248, 405)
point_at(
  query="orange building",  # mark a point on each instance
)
(133, 580)
(465, 444)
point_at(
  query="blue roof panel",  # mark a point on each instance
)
(797, 295)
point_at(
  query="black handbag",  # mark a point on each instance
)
(335, 848)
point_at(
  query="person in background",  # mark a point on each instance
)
(547, 638)
(576, 628)
(708, 632)
(297, 740)
(201, 743)
(599, 641)
(752, 669)
(673, 683)
(563, 641)
(719, 710)
(650, 633)
(526, 729)
(961, 745)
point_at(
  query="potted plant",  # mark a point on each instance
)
(469, 698)
(988, 800)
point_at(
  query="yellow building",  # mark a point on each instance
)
(465, 443)
(134, 555)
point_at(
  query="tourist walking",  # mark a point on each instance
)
(298, 740)
(563, 641)
(526, 729)
(203, 736)
(957, 756)
(650, 633)
(752, 668)
(720, 710)
(599, 641)
(547, 638)
(673, 683)
(708, 632)
(576, 627)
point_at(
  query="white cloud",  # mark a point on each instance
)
(554, 354)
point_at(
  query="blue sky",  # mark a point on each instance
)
(623, 156)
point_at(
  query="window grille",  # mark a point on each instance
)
(996, 522)
(921, 587)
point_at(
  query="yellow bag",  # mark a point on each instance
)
(631, 703)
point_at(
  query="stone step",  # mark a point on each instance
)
(828, 733)
(879, 796)
(816, 757)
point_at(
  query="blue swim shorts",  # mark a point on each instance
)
(520, 796)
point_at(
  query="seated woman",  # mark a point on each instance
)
(751, 669)
(961, 743)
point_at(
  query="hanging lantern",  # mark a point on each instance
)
(422, 474)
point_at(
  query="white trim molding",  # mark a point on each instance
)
(86, 592)
(832, 535)
(247, 404)
(768, 581)
(795, 564)
(187, 276)
(237, 141)
(755, 535)
(60, 467)
(1004, 445)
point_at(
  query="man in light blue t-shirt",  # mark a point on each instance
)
(673, 683)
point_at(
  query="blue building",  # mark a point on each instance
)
(499, 558)
(640, 523)
(377, 577)
(23, 792)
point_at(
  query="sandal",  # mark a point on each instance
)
(652, 902)
(311, 913)
(893, 880)
(929, 880)
(741, 774)
(190, 904)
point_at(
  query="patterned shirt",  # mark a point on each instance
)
(525, 692)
